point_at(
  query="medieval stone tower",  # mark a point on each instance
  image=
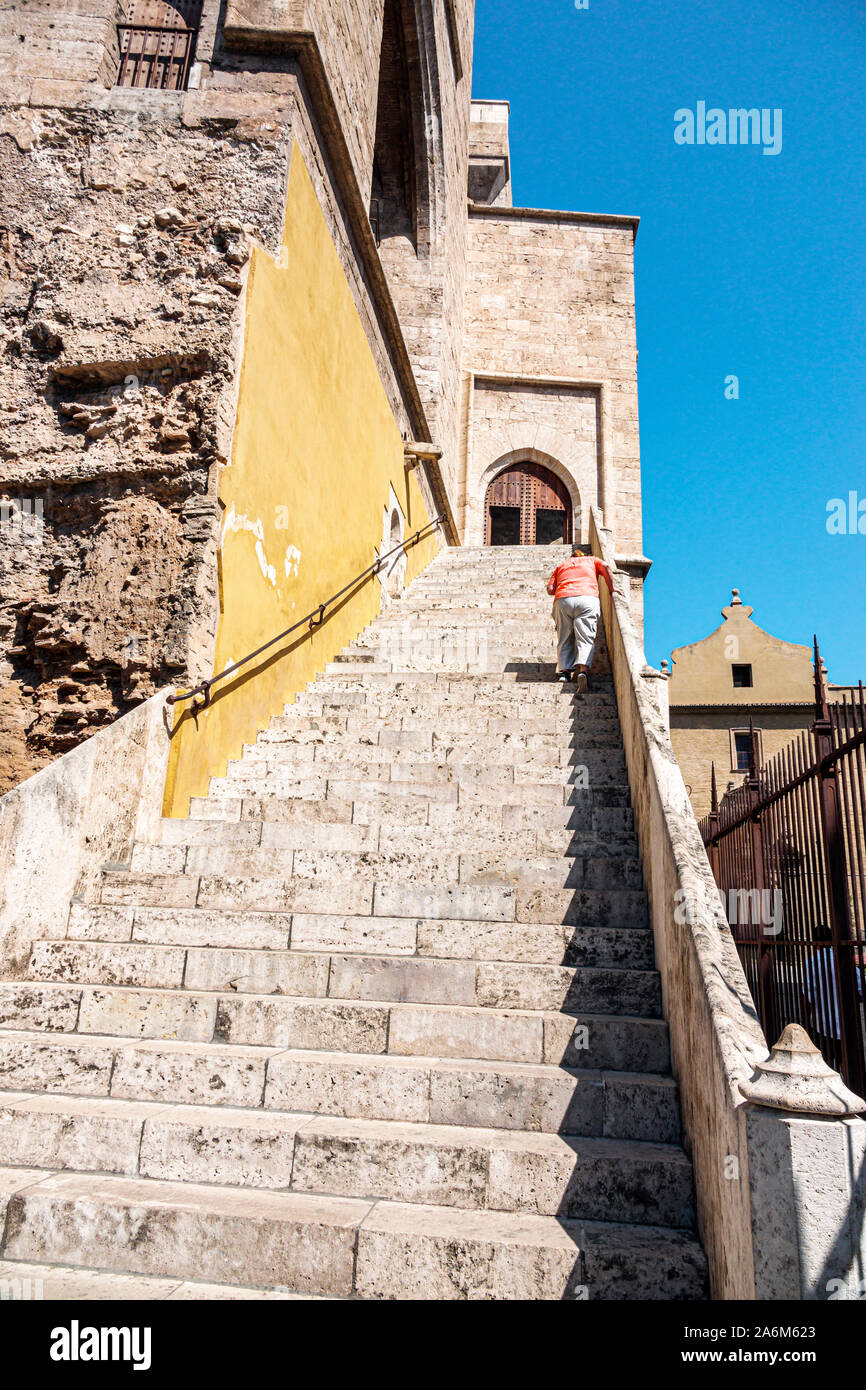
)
(239, 270)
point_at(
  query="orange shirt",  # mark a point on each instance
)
(578, 577)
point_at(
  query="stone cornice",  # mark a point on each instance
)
(740, 710)
(600, 219)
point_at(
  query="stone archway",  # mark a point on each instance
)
(556, 480)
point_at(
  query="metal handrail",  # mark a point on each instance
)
(313, 619)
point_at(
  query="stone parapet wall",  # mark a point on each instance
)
(60, 827)
(780, 1195)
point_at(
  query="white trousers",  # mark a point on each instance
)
(576, 627)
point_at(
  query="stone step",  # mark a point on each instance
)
(53, 1283)
(412, 866)
(608, 947)
(453, 1166)
(458, 791)
(248, 835)
(591, 813)
(442, 658)
(592, 768)
(611, 1041)
(405, 634)
(369, 895)
(519, 687)
(324, 753)
(448, 719)
(365, 730)
(195, 1073)
(419, 1090)
(316, 975)
(468, 687)
(435, 711)
(339, 1246)
(549, 784)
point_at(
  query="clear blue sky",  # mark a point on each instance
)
(746, 264)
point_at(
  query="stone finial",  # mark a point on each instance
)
(665, 668)
(736, 606)
(796, 1077)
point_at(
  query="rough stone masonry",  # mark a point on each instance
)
(123, 246)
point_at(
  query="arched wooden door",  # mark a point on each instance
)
(527, 504)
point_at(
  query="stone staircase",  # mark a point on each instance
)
(381, 1018)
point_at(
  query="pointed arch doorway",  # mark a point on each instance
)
(527, 504)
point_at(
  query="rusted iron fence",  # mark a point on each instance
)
(155, 56)
(788, 853)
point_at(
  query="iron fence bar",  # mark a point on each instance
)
(859, 828)
(805, 878)
(848, 1004)
(797, 827)
(313, 619)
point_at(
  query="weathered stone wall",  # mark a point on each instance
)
(41, 41)
(126, 231)
(428, 283)
(348, 34)
(564, 425)
(426, 280)
(550, 303)
(60, 828)
(124, 246)
(702, 737)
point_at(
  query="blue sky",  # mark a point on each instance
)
(746, 264)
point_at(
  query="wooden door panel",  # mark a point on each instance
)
(532, 488)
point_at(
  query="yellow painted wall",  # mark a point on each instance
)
(315, 450)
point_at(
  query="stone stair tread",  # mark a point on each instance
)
(319, 1244)
(252, 1052)
(475, 1010)
(333, 1025)
(341, 1127)
(341, 934)
(347, 976)
(469, 1167)
(77, 1284)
